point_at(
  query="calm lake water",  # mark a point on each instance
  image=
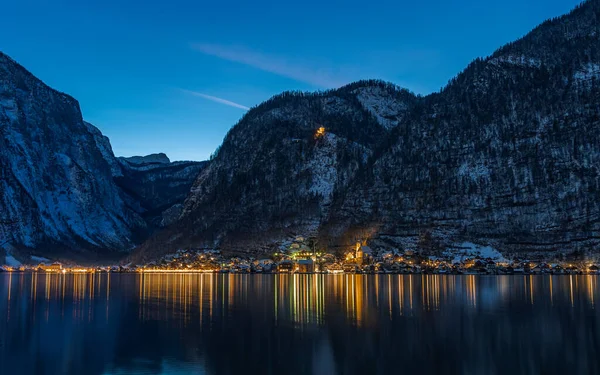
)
(298, 324)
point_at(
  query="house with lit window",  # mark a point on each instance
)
(54, 267)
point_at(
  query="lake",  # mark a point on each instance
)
(298, 324)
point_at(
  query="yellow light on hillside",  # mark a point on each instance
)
(320, 132)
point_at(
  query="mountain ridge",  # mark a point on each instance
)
(505, 154)
(492, 145)
(58, 190)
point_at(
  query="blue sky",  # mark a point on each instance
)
(173, 76)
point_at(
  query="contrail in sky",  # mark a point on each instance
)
(217, 99)
(325, 78)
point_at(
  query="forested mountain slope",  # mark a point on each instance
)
(506, 154)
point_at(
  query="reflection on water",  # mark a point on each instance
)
(297, 324)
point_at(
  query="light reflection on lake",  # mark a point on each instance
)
(297, 324)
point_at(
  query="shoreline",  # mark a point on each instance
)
(192, 272)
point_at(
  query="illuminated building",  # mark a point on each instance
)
(320, 132)
(285, 266)
(305, 265)
(350, 268)
(54, 267)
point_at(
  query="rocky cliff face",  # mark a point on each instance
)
(62, 191)
(156, 186)
(56, 185)
(281, 167)
(506, 154)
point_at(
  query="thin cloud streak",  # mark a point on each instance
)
(324, 78)
(217, 99)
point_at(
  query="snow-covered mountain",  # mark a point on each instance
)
(56, 186)
(61, 188)
(506, 154)
(281, 167)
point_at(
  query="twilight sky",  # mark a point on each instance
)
(173, 76)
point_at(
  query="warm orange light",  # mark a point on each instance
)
(320, 132)
(158, 270)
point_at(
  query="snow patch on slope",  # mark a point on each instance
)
(11, 261)
(587, 72)
(474, 171)
(470, 250)
(322, 166)
(39, 259)
(9, 107)
(386, 109)
(520, 60)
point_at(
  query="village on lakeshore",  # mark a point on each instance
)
(298, 256)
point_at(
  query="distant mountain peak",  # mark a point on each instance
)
(159, 158)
